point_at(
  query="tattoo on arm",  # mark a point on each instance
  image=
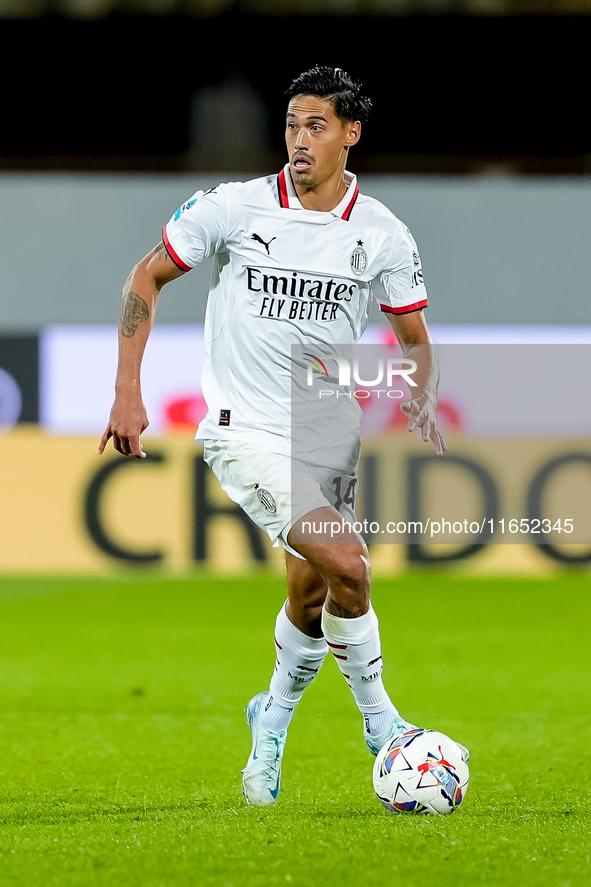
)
(161, 252)
(134, 311)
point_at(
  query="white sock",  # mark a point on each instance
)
(299, 658)
(355, 645)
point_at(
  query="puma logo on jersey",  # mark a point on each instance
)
(260, 240)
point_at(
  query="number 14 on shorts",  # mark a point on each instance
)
(348, 497)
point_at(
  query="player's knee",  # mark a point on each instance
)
(352, 573)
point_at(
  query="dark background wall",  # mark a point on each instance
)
(449, 91)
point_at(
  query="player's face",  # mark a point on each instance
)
(317, 141)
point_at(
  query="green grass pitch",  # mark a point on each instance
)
(122, 736)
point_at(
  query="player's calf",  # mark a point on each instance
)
(307, 593)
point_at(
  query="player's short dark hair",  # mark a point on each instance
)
(337, 86)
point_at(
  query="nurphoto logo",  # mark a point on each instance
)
(386, 371)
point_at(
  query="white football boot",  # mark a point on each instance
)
(464, 751)
(398, 726)
(262, 775)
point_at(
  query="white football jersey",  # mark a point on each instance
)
(284, 275)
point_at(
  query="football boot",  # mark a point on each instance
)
(261, 778)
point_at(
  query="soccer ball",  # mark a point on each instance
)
(420, 771)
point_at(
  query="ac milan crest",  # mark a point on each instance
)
(267, 500)
(359, 259)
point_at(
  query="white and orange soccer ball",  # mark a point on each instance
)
(421, 771)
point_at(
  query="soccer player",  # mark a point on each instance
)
(298, 258)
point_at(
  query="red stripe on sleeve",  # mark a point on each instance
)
(405, 309)
(175, 258)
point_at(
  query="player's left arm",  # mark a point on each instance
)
(416, 342)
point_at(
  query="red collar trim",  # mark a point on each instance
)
(282, 185)
(346, 215)
(284, 196)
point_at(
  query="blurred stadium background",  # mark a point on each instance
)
(115, 111)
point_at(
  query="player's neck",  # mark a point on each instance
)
(324, 196)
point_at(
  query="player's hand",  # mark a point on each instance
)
(421, 414)
(127, 421)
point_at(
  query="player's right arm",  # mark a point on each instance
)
(138, 305)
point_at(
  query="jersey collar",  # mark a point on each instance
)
(288, 198)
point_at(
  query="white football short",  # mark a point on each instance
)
(275, 491)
